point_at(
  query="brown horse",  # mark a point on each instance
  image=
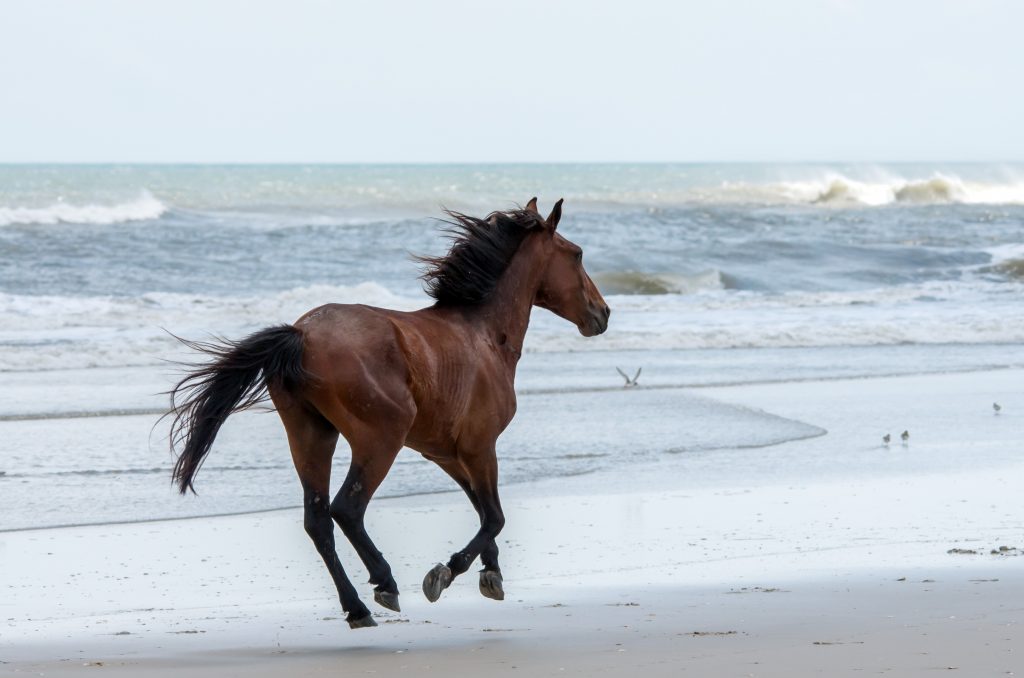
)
(439, 380)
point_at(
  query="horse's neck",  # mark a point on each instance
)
(506, 315)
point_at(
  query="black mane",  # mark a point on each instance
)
(481, 251)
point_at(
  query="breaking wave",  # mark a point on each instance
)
(938, 189)
(635, 282)
(1007, 262)
(141, 209)
(1011, 268)
(56, 332)
(928, 313)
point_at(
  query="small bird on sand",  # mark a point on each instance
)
(996, 408)
(629, 382)
(885, 439)
(905, 437)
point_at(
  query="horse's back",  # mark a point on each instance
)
(342, 333)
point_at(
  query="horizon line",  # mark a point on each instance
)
(532, 163)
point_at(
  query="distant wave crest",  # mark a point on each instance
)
(140, 209)
(938, 189)
(840, 189)
(835, 189)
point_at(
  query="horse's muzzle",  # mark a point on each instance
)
(597, 323)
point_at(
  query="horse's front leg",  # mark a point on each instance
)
(479, 479)
(490, 576)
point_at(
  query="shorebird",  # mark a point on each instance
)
(885, 439)
(905, 437)
(996, 408)
(629, 382)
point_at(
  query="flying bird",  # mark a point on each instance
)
(629, 382)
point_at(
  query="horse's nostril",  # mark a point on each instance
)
(607, 312)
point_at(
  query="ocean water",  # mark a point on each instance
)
(715, 273)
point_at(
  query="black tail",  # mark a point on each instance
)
(237, 378)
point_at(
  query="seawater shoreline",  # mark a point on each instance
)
(572, 421)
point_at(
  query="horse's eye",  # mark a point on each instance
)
(579, 256)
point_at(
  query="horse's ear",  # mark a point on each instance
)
(555, 216)
(532, 206)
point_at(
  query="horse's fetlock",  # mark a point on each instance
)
(387, 583)
(459, 562)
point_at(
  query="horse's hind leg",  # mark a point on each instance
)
(371, 461)
(482, 479)
(312, 440)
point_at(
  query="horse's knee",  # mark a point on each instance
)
(317, 521)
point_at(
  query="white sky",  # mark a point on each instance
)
(482, 81)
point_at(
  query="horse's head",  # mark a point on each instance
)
(565, 289)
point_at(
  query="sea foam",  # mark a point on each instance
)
(143, 208)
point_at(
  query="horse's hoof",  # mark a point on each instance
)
(490, 585)
(361, 623)
(387, 599)
(437, 580)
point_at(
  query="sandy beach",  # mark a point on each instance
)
(770, 570)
